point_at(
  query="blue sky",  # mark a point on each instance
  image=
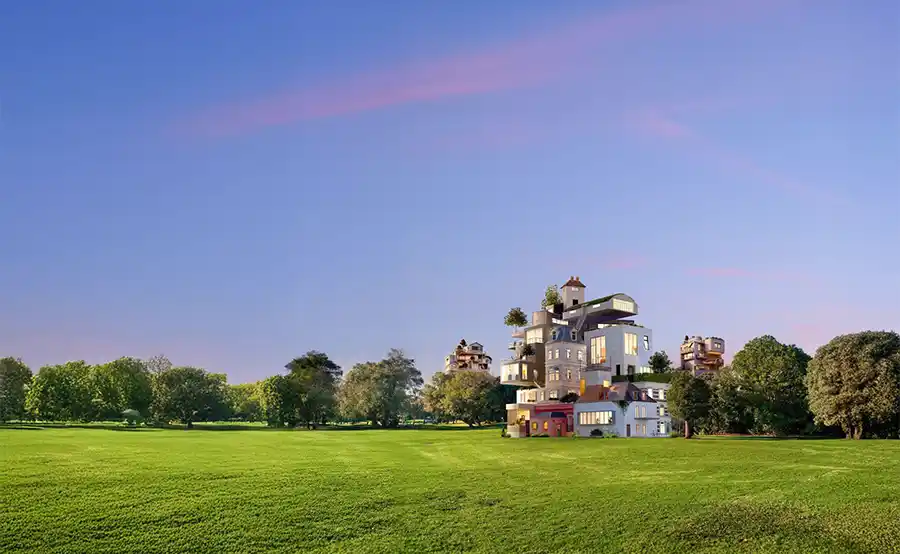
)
(233, 184)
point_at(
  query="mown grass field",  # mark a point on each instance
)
(97, 490)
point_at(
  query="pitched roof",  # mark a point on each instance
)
(574, 282)
(617, 392)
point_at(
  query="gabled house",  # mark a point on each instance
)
(620, 408)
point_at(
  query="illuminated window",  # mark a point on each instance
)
(580, 356)
(568, 353)
(554, 394)
(534, 426)
(595, 418)
(546, 425)
(556, 354)
(568, 375)
(647, 343)
(598, 350)
(631, 344)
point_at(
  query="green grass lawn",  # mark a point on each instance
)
(98, 490)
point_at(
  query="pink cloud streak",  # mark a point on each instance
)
(654, 123)
(525, 62)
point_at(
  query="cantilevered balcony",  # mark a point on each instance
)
(602, 310)
(519, 372)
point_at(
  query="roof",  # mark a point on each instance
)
(617, 392)
(574, 282)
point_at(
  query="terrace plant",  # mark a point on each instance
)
(516, 318)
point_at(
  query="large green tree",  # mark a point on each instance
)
(854, 383)
(660, 362)
(120, 385)
(189, 394)
(468, 396)
(244, 402)
(689, 401)
(279, 400)
(316, 378)
(381, 391)
(773, 374)
(61, 393)
(15, 378)
(730, 407)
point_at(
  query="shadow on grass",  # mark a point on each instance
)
(25, 426)
(743, 523)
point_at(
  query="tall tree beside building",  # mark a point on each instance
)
(189, 394)
(660, 362)
(61, 393)
(381, 391)
(773, 374)
(14, 380)
(689, 401)
(854, 382)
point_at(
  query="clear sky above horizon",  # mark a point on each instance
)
(234, 183)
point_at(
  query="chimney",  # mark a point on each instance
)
(577, 278)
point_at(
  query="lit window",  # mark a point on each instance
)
(631, 344)
(546, 425)
(568, 375)
(554, 394)
(549, 354)
(568, 353)
(556, 355)
(534, 426)
(595, 418)
(647, 343)
(598, 350)
(580, 356)
(542, 395)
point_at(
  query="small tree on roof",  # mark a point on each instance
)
(516, 318)
(551, 297)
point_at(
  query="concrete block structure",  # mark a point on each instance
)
(467, 357)
(702, 355)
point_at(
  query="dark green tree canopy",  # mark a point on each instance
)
(15, 377)
(773, 376)
(516, 318)
(689, 400)
(61, 393)
(381, 391)
(660, 362)
(854, 383)
(189, 394)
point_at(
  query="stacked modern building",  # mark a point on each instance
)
(467, 357)
(593, 351)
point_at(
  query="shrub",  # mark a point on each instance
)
(596, 433)
(610, 435)
(674, 434)
(132, 417)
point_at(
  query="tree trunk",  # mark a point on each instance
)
(687, 430)
(190, 424)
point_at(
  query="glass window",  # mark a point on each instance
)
(554, 394)
(631, 344)
(598, 350)
(546, 425)
(574, 335)
(647, 343)
(568, 375)
(580, 356)
(556, 354)
(595, 418)
(568, 353)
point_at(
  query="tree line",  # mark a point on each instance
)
(851, 387)
(311, 391)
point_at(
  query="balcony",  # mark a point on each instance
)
(514, 344)
(518, 334)
(518, 372)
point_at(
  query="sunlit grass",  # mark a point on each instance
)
(98, 490)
